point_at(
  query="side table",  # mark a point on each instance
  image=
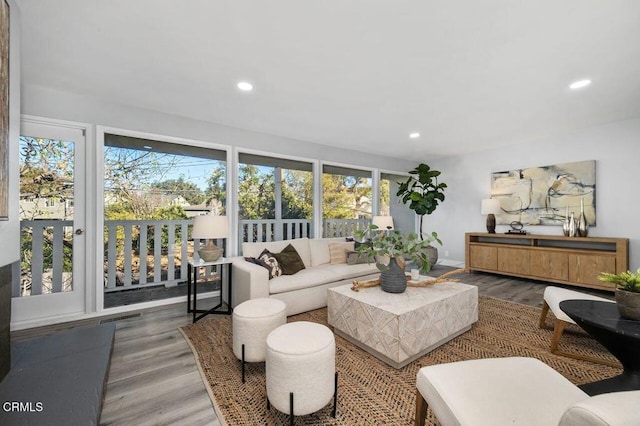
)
(620, 336)
(222, 265)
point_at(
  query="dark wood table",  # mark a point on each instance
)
(620, 336)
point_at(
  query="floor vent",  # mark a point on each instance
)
(104, 321)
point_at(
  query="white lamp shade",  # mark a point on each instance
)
(490, 206)
(210, 226)
(383, 222)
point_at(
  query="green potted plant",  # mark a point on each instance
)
(627, 292)
(423, 193)
(394, 245)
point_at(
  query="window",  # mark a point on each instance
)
(392, 205)
(152, 190)
(346, 200)
(46, 231)
(275, 198)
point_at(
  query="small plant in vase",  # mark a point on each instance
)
(627, 292)
(395, 245)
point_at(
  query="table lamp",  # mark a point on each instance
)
(208, 227)
(491, 207)
(384, 223)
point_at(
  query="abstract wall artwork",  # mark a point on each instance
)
(542, 195)
(4, 109)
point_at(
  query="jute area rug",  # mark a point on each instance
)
(372, 393)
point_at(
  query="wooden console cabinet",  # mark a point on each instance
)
(566, 260)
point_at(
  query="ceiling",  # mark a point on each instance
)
(468, 75)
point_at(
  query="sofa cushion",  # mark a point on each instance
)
(289, 260)
(344, 271)
(338, 252)
(273, 266)
(319, 248)
(301, 245)
(309, 277)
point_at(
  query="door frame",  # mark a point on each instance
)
(89, 235)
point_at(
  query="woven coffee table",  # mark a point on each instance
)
(400, 328)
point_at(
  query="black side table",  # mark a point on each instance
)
(620, 336)
(222, 265)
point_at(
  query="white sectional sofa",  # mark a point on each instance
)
(304, 291)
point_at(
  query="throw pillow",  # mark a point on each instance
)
(272, 263)
(289, 260)
(354, 258)
(257, 262)
(338, 252)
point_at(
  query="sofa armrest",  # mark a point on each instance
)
(250, 281)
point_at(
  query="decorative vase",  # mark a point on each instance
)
(582, 228)
(565, 224)
(572, 226)
(628, 304)
(210, 254)
(393, 279)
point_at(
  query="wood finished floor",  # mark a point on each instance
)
(154, 379)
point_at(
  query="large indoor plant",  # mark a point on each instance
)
(387, 247)
(423, 193)
(627, 292)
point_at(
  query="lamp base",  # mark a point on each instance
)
(210, 253)
(491, 223)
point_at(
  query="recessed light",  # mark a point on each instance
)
(245, 86)
(414, 135)
(579, 84)
(147, 147)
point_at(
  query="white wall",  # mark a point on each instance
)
(50, 103)
(616, 149)
(10, 230)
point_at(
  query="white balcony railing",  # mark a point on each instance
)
(45, 257)
(342, 227)
(141, 253)
(252, 230)
(144, 252)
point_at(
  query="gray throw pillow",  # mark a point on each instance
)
(354, 258)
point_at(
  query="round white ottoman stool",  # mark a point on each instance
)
(301, 368)
(253, 320)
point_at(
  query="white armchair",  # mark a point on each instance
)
(551, 301)
(515, 391)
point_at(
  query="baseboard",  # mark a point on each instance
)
(451, 262)
(39, 322)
